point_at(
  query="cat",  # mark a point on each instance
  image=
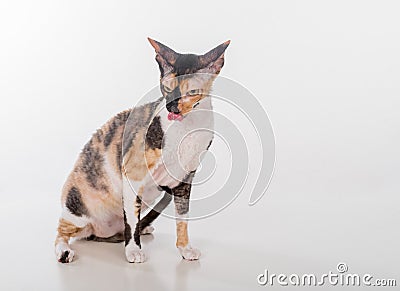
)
(153, 149)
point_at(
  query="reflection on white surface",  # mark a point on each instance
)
(236, 246)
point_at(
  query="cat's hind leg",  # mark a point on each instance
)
(67, 230)
(73, 223)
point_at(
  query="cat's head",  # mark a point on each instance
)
(186, 79)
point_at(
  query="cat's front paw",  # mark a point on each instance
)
(134, 254)
(147, 230)
(189, 253)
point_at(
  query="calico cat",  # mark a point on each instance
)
(138, 155)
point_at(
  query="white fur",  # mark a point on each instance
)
(150, 191)
(106, 222)
(181, 217)
(184, 141)
(78, 221)
(189, 253)
(134, 254)
(147, 230)
(109, 227)
(113, 177)
(62, 247)
(130, 190)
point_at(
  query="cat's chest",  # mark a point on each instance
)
(183, 146)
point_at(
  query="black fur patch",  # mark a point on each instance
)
(155, 134)
(172, 100)
(116, 238)
(182, 194)
(156, 211)
(64, 257)
(138, 202)
(136, 121)
(166, 189)
(116, 123)
(119, 156)
(136, 235)
(74, 203)
(92, 166)
(128, 231)
(186, 64)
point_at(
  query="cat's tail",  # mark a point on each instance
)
(155, 212)
(116, 238)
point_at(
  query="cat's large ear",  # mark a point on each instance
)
(165, 57)
(213, 61)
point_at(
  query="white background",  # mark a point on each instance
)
(326, 71)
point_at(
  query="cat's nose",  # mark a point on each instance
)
(173, 107)
(175, 110)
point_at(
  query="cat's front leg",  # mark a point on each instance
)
(181, 199)
(132, 205)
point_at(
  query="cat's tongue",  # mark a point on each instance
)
(174, 116)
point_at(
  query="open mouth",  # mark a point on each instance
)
(174, 116)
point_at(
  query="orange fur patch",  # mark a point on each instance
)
(134, 160)
(182, 238)
(66, 230)
(152, 157)
(185, 104)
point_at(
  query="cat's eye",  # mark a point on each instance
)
(193, 92)
(167, 89)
